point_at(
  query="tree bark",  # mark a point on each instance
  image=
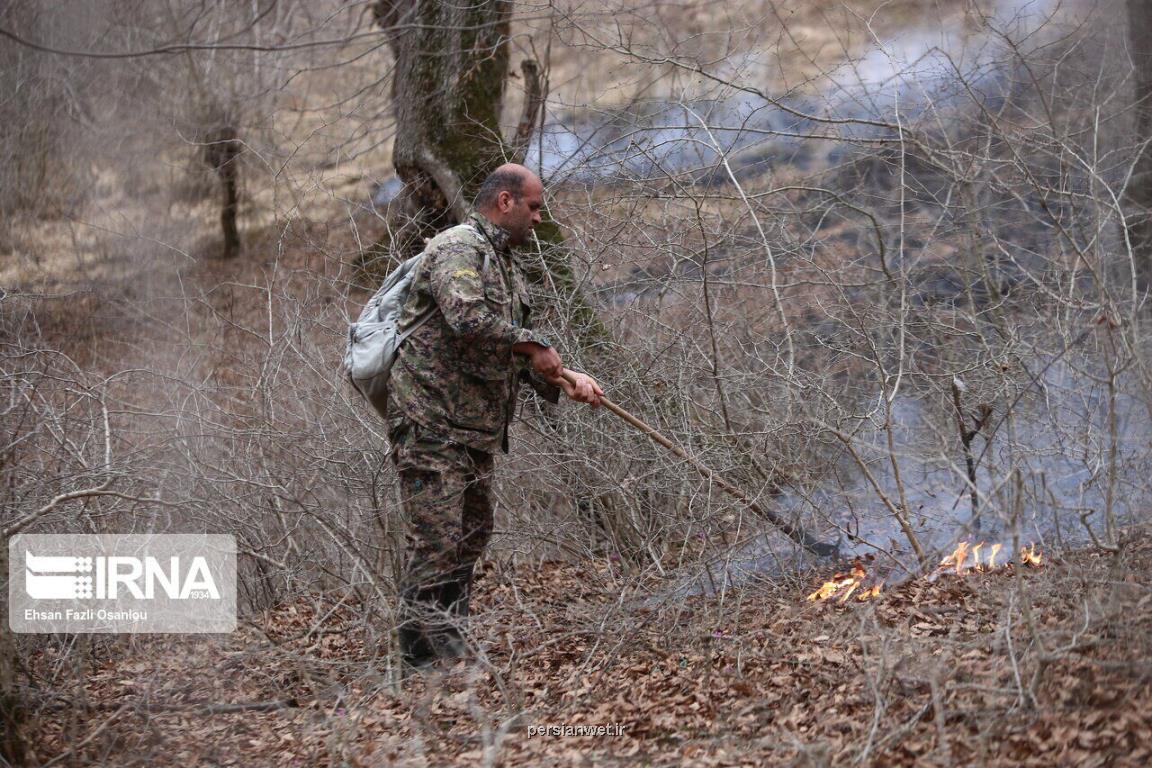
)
(451, 67)
(1140, 188)
(222, 153)
(533, 107)
(12, 750)
(447, 91)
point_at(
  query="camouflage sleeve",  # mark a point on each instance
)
(459, 291)
(544, 389)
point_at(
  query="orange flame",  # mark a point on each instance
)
(992, 555)
(956, 559)
(1029, 556)
(844, 585)
(960, 562)
(966, 557)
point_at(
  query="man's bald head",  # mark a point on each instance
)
(511, 197)
(509, 178)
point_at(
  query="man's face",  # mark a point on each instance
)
(520, 216)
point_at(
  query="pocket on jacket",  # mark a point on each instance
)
(480, 403)
(489, 360)
(485, 360)
(498, 297)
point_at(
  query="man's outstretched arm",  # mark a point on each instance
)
(458, 288)
(546, 361)
(459, 291)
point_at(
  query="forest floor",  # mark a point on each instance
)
(1044, 665)
(1031, 666)
(1019, 666)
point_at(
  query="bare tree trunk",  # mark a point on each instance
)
(452, 64)
(1140, 189)
(447, 90)
(222, 152)
(12, 750)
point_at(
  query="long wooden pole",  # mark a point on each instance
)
(794, 532)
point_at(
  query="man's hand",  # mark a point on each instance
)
(581, 387)
(545, 360)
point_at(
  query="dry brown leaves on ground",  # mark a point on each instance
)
(1037, 667)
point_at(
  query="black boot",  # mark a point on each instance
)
(431, 626)
(419, 620)
(446, 634)
(415, 648)
(462, 592)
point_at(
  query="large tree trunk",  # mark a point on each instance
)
(448, 84)
(1140, 189)
(12, 751)
(448, 90)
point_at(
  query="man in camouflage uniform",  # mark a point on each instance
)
(451, 398)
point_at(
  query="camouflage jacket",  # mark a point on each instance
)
(456, 375)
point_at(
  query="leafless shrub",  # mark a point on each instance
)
(885, 307)
(44, 113)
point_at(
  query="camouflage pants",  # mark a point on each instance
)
(446, 494)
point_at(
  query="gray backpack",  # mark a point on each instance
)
(374, 339)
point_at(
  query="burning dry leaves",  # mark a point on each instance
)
(844, 585)
(946, 672)
(967, 557)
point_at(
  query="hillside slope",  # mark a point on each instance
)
(1041, 666)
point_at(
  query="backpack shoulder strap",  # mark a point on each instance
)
(487, 251)
(416, 325)
(433, 309)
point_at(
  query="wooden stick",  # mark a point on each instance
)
(794, 532)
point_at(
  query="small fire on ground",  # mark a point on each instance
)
(964, 559)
